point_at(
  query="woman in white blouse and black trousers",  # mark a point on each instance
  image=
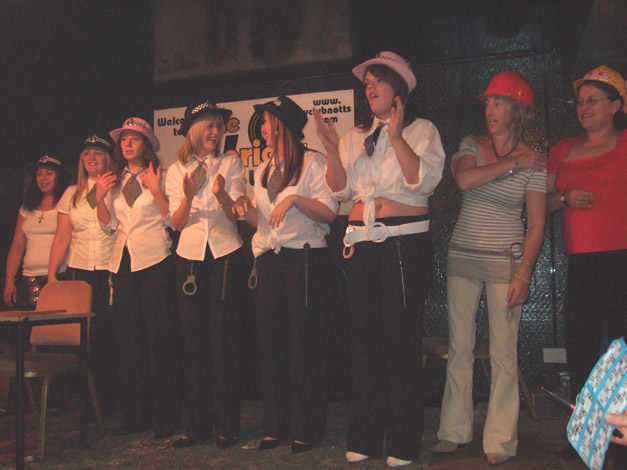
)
(292, 210)
(133, 204)
(201, 187)
(388, 166)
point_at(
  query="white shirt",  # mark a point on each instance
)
(39, 229)
(90, 248)
(140, 228)
(380, 175)
(207, 223)
(297, 229)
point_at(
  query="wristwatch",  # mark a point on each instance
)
(563, 198)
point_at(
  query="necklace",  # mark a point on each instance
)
(41, 217)
(508, 153)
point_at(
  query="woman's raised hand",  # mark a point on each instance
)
(397, 116)
(152, 178)
(189, 188)
(104, 184)
(241, 206)
(327, 132)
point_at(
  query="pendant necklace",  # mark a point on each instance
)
(508, 153)
(41, 217)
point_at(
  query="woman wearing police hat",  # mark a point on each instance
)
(389, 166)
(132, 203)
(201, 187)
(87, 248)
(489, 248)
(34, 232)
(588, 183)
(292, 210)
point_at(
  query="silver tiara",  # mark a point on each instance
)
(133, 122)
(205, 105)
(95, 139)
(47, 159)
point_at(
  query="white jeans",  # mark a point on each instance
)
(500, 434)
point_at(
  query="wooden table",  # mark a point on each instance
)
(24, 319)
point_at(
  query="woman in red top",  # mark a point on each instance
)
(587, 178)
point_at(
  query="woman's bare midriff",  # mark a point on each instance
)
(387, 208)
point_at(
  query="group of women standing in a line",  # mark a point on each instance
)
(112, 229)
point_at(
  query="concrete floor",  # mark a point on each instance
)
(538, 443)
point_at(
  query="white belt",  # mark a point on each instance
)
(379, 233)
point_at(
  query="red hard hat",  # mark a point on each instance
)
(512, 85)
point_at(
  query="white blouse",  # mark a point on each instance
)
(297, 229)
(39, 229)
(90, 248)
(380, 175)
(140, 228)
(207, 223)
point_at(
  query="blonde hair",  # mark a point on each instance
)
(518, 111)
(81, 185)
(193, 140)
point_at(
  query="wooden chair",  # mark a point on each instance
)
(437, 347)
(73, 297)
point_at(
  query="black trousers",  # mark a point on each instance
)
(292, 342)
(101, 338)
(595, 305)
(147, 339)
(386, 343)
(211, 324)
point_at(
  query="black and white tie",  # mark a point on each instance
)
(91, 197)
(132, 190)
(371, 141)
(200, 175)
(274, 183)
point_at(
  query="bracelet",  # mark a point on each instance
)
(524, 279)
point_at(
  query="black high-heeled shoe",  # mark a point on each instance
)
(298, 447)
(225, 442)
(268, 444)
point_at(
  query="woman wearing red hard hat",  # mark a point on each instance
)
(588, 182)
(498, 174)
(388, 166)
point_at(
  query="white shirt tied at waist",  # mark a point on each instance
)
(140, 228)
(297, 229)
(207, 223)
(90, 248)
(380, 175)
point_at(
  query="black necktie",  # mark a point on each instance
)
(132, 190)
(371, 141)
(274, 183)
(91, 197)
(200, 175)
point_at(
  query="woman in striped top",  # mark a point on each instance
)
(498, 174)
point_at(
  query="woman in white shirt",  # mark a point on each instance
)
(201, 187)
(88, 249)
(34, 232)
(388, 166)
(292, 210)
(133, 204)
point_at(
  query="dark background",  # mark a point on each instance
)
(70, 68)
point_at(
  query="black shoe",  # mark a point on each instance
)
(226, 442)
(298, 447)
(189, 441)
(268, 444)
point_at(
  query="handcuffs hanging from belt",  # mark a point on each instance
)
(189, 286)
(349, 248)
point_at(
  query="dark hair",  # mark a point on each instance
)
(120, 162)
(33, 195)
(294, 154)
(399, 86)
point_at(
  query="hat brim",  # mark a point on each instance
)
(260, 108)
(154, 141)
(405, 73)
(226, 114)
